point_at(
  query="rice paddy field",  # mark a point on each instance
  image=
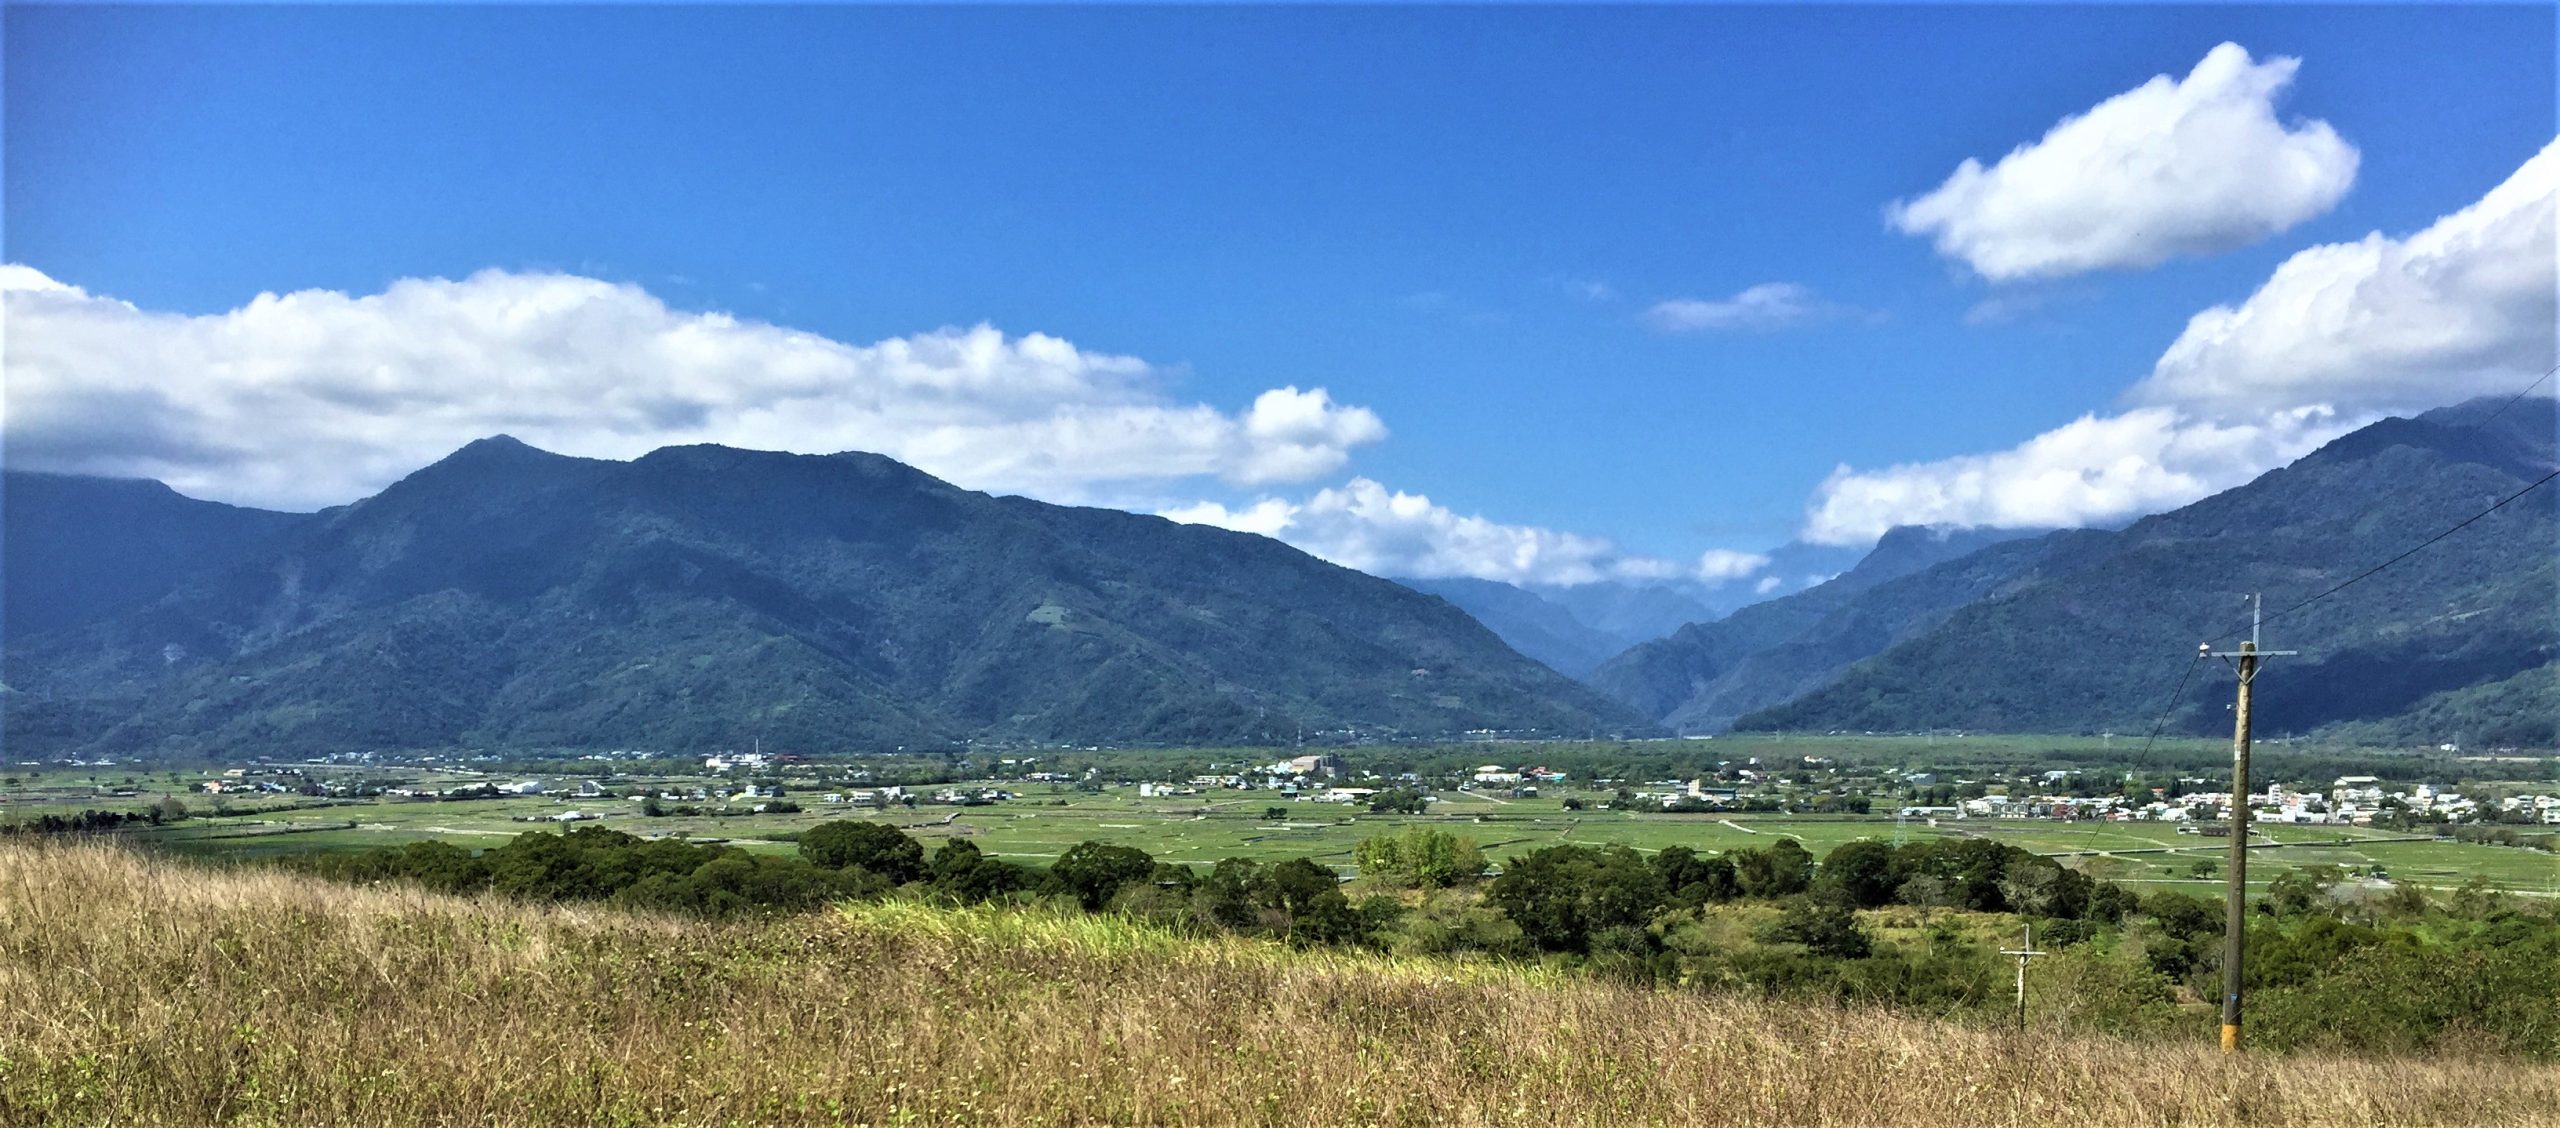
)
(1045, 820)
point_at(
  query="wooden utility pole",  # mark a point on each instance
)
(2026, 950)
(2235, 908)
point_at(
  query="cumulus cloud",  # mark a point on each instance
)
(2093, 470)
(1769, 305)
(2171, 167)
(318, 397)
(1717, 565)
(2459, 309)
(1364, 525)
(2338, 336)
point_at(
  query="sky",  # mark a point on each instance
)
(1547, 295)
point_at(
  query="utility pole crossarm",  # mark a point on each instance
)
(2026, 950)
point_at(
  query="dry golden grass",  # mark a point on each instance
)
(140, 991)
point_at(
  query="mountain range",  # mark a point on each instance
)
(706, 597)
(1705, 675)
(1575, 628)
(2090, 629)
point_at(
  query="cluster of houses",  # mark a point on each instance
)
(2356, 801)
(2351, 801)
(1495, 775)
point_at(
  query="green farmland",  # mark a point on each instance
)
(1202, 829)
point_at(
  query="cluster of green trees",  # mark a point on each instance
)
(162, 813)
(2506, 836)
(596, 864)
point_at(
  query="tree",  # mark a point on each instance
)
(1297, 900)
(1402, 801)
(1561, 895)
(1691, 879)
(2034, 886)
(1863, 871)
(1310, 897)
(1274, 814)
(877, 847)
(1777, 871)
(1825, 923)
(1421, 856)
(1093, 871)
(1961, 873)
(964, 873)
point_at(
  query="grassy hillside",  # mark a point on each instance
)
(157, 992)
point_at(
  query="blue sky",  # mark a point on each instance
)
(1463, 220)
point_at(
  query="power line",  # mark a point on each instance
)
(2519, 397)
(2175, 694)
(2502, 502)
(2142, 760)
(2413, 551)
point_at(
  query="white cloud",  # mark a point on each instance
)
(1717, 565)
(2338, 336)
(2171, 167)
(2094, 470)
(1769, 305)
(1364, 525)
(318, 397)
(1768, 584)
(2459, 309)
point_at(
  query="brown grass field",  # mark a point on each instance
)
(140, 991)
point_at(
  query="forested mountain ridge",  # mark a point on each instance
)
(2095, 640)
(1706, 674)
(1531, 623)
(75, 549)
(706, 597)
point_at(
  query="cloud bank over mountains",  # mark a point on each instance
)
(2173, 167)
(2339, 335)
(1367, 526)
(317, 397)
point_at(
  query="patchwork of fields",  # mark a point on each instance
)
(1202, 829)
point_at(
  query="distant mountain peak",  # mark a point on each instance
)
(501, 446)
(495, 452)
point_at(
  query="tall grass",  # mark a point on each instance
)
(143, 991)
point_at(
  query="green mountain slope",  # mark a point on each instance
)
(1706, 674)
(2510, 712)
(703, 597)
(76, 549)
(2095, 640)
(1527, 621)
